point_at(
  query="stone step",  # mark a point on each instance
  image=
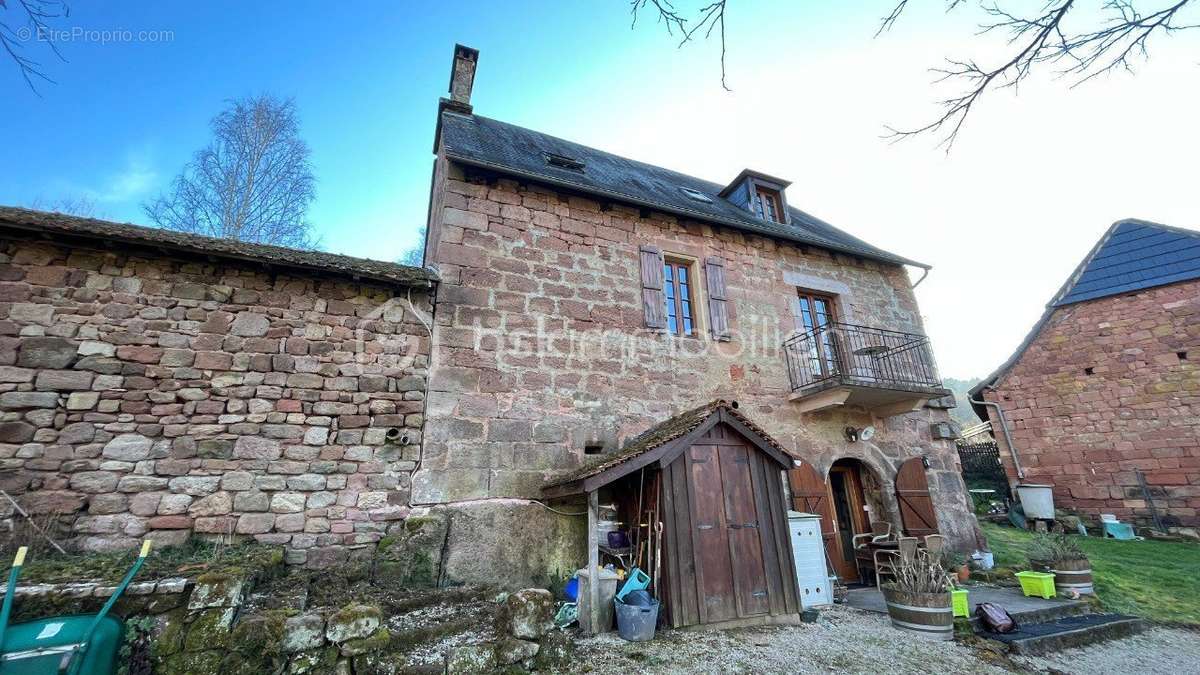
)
(1034, 611)
(1034, 639)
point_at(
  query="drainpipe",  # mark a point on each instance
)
(1007, 436)
(924, 274)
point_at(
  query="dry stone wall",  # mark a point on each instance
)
(147, 396)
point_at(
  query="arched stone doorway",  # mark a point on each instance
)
(855, 502)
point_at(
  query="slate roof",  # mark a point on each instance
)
(60, 225)
(661, 433)
(1133, 255)
(506, 148)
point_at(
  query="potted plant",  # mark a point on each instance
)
(1061, 554)
(918, 600)
(955, 563)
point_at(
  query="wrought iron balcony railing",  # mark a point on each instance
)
(840, 353)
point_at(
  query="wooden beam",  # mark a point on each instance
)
(593, 562)
(826, 399)
(759, 442)
(575, 487)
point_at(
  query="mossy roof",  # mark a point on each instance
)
(57, 225)
(668, 430)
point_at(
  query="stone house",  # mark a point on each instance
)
(154, 383)
(1102, 399)
(586, 298)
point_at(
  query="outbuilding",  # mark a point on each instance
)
(702, 497)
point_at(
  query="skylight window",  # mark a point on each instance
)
(696, 195)
(562, 161)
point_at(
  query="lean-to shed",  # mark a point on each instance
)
(714, 480)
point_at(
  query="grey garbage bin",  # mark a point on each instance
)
(636, 622)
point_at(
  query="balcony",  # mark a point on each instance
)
(884, 371)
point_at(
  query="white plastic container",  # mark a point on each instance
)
(1037, 500)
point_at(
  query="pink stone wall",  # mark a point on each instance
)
(541, 348)
(147, 396)
(1139, 409)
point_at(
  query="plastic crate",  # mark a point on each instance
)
(959, 598)
(1037, 583)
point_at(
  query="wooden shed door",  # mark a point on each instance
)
(730, 571)
(810, 494)
(916, 506)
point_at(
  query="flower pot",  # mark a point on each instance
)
(929, 615)
(1073, 575)
(964, 573)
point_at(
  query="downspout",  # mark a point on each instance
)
(1007, 435)
(924, 274)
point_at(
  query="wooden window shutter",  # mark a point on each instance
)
(653, 301)
(718, 313)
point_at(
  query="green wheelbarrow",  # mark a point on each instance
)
(86, 644)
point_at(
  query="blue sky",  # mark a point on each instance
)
(1033, 182)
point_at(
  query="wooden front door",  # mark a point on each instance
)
(846, 498)
(730, 572)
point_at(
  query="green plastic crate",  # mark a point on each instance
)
(1037, 583)
(961, 606)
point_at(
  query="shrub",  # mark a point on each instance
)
(921, 573)
(1053, 548)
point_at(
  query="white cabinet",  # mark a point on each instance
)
(808, 548)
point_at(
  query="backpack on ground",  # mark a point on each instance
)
(995, 618)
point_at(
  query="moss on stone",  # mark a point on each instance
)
(260, 635)
(377, 641)
(316, 661)
(209, 630)
(191, 663)
(170, 638)
(193, 558)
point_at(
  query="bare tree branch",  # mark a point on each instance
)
(709, 18)
(30, 23)
(253, 183)
(1043, 40)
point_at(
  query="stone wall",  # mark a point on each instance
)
(541, 348)
(1087, 433)
(144, 395)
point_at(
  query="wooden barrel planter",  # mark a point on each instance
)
(1073, 575)
(929, 615)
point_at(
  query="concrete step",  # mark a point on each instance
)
(1069, 631)
(1032, 610)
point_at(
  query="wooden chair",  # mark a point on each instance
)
(880, 531)
(886, 560)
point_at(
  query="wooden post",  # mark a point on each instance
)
(594, 563)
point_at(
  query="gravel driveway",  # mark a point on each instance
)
(844, 640)
(1158, 650)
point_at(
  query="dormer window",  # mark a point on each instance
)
(766, 204)
(760, 194)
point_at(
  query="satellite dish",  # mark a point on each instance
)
(867, 433)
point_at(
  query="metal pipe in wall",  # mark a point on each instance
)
(1007, 434)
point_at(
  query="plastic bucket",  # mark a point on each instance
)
(635, 623)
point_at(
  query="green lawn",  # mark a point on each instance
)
(1157, 580)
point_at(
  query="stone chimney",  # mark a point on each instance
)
(462, 76)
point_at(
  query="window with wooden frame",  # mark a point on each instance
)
(679, 297)
(816, 314)
(767, 204)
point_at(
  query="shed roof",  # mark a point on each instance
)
(57, 225)
(664, 432)
(507, 148)
(1132, 255)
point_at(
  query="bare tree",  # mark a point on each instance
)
(26, 21)
(415, 256)
(253, 183)
(1062, 36)
(72, 205)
